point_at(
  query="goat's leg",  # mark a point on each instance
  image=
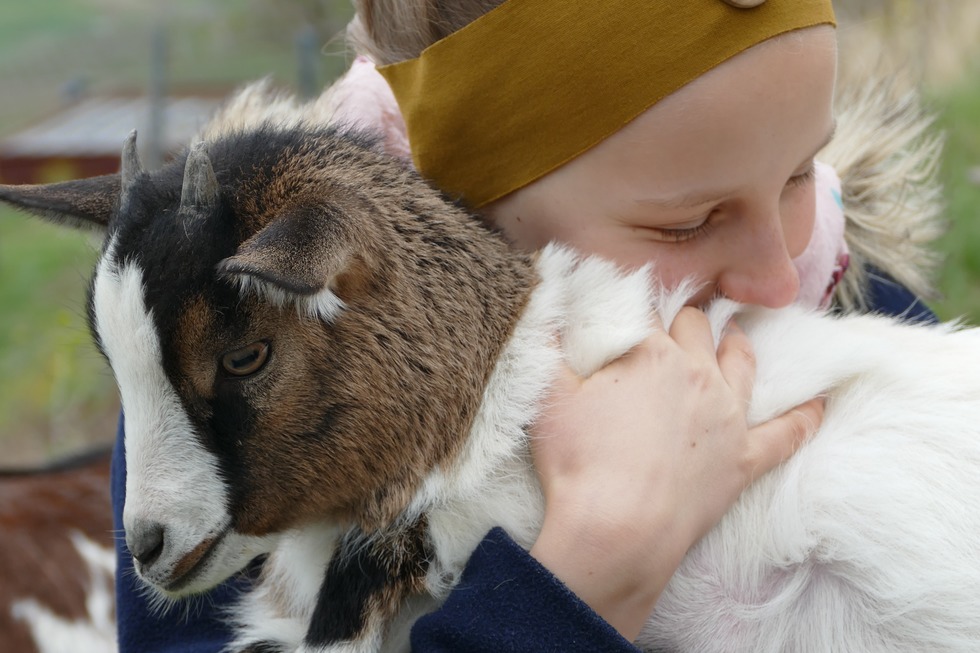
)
(366, 584)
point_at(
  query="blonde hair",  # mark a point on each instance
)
(389, 31)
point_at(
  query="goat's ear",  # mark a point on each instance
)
(301, 253)
(81, 203)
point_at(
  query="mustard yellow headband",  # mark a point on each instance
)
(534, 83)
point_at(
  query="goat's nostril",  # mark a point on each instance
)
(145, 541)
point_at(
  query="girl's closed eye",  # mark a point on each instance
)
(804, 177)
(685, 232)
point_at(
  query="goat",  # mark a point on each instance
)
(323, 360)
(56, 557)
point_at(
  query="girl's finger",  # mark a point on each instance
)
(737, 361)
(776, 440)
(692, 333)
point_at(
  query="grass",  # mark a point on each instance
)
(56, 393)
(46, 47)
(960, 280)
(55, 390)
(22, 21)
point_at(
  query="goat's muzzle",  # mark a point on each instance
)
(158, 563)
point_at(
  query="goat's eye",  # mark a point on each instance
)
(247, 360)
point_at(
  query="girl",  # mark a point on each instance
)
(679, 133)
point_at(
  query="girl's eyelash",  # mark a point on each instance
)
(804, 178)
(681, 235)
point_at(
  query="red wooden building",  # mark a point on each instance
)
(85, 140)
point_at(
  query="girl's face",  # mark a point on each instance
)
(715, 181)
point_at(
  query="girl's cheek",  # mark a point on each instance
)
(671, 266)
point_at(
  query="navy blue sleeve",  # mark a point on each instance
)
(194, 627)
(888, 297)
(507, 601)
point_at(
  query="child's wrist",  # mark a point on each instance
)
(616, 567)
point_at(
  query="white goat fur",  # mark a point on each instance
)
(867, 540)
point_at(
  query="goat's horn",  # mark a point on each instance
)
(131, 166)
(200, 190)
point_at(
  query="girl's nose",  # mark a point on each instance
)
(762, 273)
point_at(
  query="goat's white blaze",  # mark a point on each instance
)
(172, 479)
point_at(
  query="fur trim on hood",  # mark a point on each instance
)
(887, 153)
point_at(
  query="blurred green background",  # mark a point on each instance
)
(56, 395)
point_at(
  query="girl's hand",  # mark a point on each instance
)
(643, 458)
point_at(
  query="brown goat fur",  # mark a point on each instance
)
(391, 436)
(42, 513)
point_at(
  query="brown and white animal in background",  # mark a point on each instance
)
(56, 558)
(323, 360)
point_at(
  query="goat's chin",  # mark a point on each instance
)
(231, 554)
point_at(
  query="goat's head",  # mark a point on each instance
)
(300, 329)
